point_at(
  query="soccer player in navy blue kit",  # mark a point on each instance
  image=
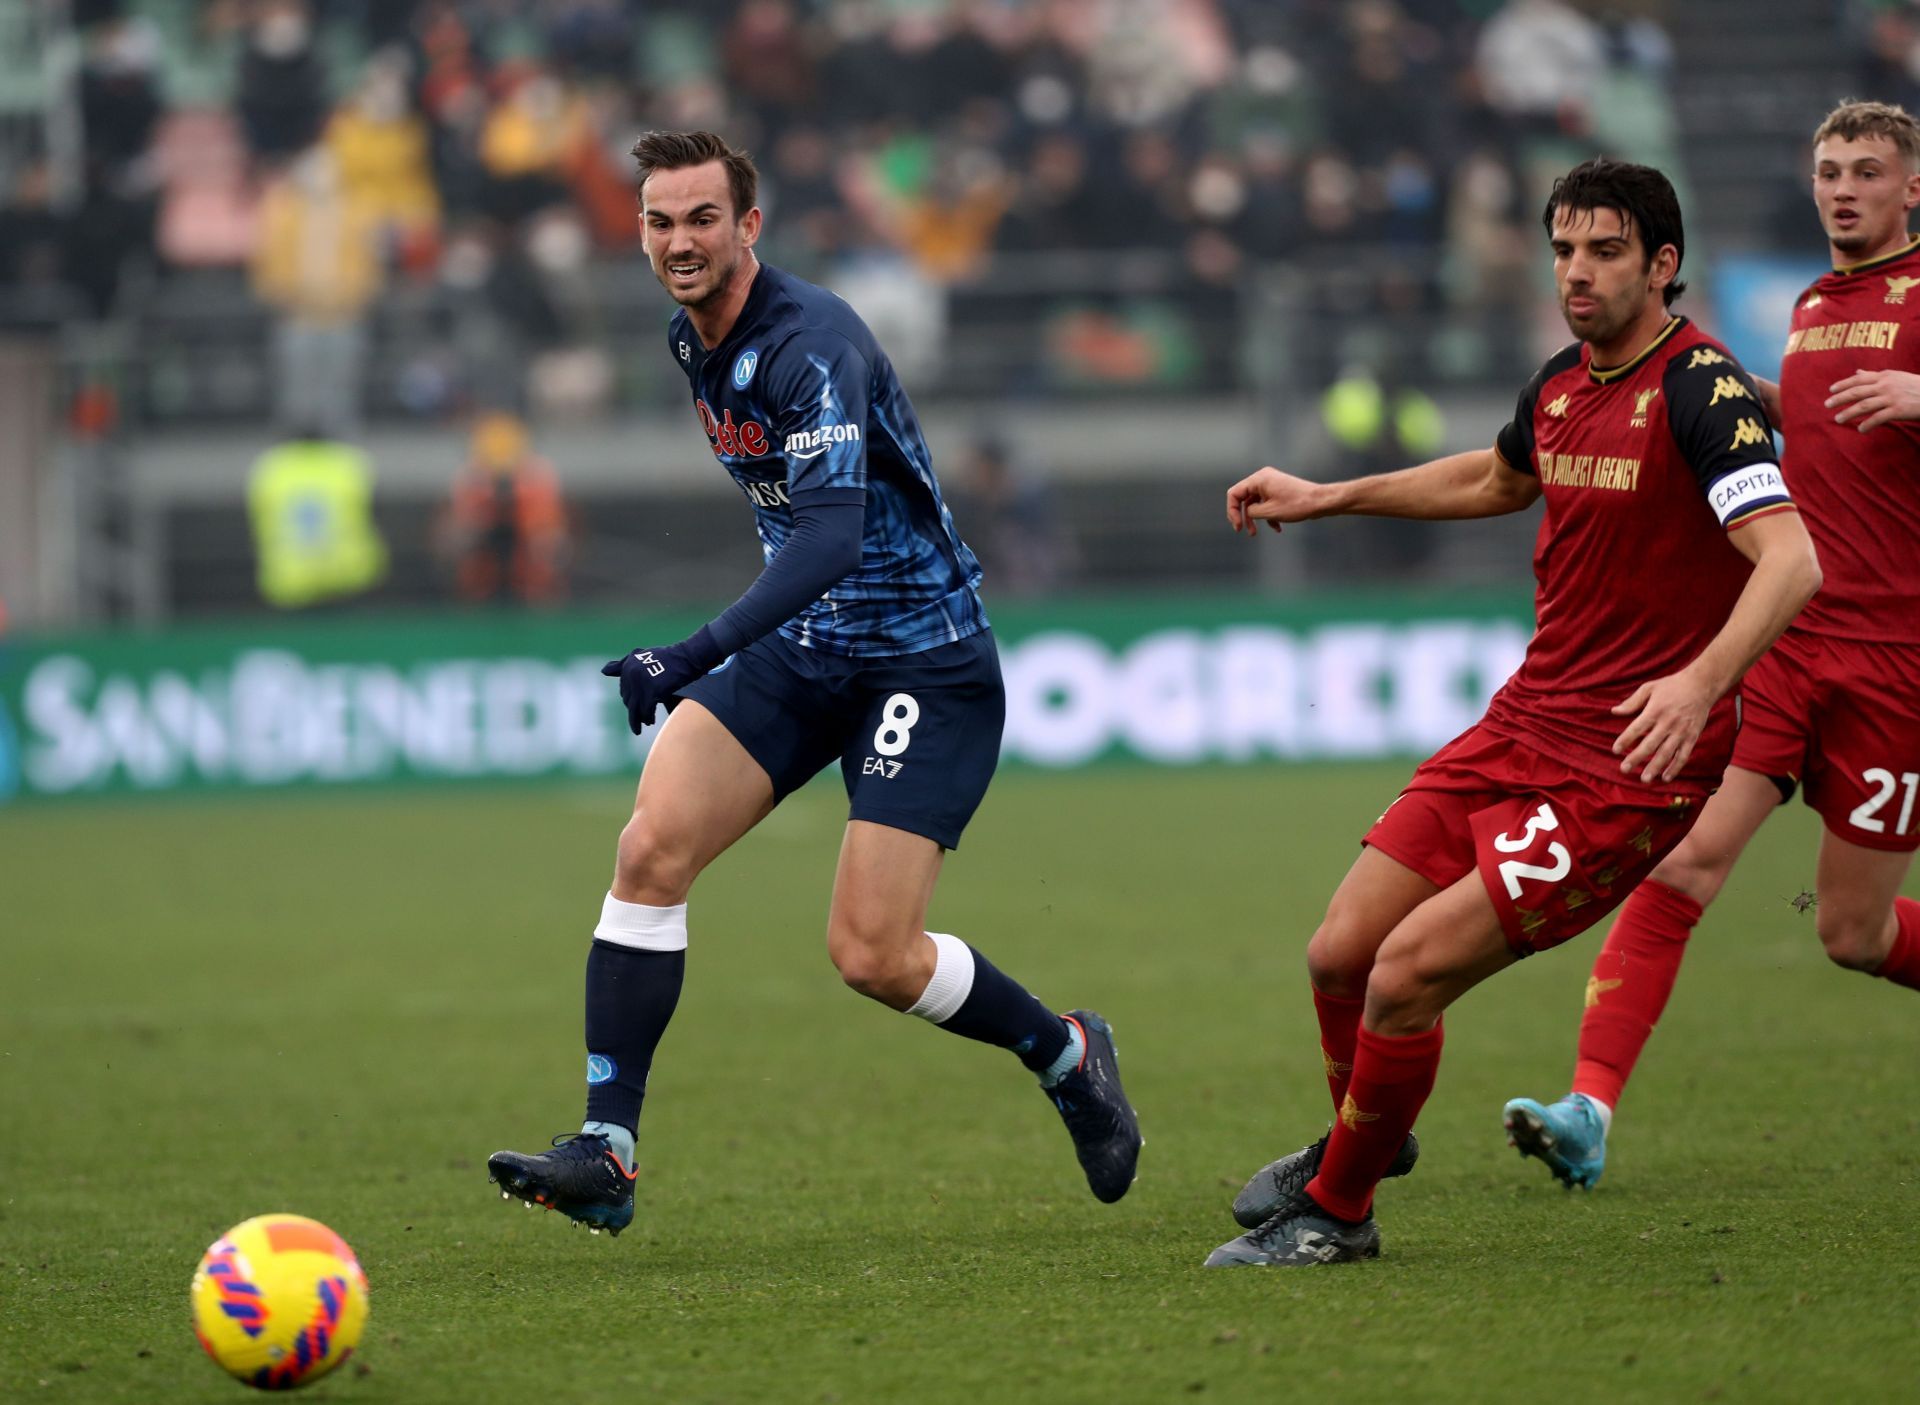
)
(862, 641)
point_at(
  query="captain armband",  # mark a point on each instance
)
(1755, 488)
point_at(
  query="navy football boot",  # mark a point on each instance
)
(1105, 1132)
(1277, 1181)
(1300, 1233)
(581, 1178)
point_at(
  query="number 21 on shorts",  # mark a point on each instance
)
(1559, 862)
(1866, 814)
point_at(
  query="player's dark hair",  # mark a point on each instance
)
(675, 151)
(1854, 119)
(1640, 195)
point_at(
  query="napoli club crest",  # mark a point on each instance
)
(744, 368)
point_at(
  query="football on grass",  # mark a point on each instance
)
(279, 1301)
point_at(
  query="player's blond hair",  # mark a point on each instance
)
(1854, 119)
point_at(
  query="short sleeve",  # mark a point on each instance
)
(1514, 443)
(817, 394)
(1715, 416)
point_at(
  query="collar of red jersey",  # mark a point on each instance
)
(1601, 375)
(1865, 264)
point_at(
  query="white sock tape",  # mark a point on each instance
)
(952, 980)
(642, 927)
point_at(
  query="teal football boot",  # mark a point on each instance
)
(1568, 1136)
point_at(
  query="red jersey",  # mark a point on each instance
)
(1861, 492)
(1644, 468)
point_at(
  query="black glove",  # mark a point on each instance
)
(649, 677)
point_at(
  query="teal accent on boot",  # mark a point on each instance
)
(619, 1139)
(1069, 1058)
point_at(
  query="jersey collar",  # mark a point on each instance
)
(1864, 265)
(1604, 375)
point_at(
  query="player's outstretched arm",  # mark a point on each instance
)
(1869, 399)
(1670, 713)
(1477, 483)
(822, 549)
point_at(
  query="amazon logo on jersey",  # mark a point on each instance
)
(811, 443)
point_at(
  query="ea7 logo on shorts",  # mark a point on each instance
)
(811, 443)
(877, 766)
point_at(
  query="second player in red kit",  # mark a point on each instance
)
(1669, 557)
(1832, 709)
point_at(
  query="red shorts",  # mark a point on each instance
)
(1842, 717)
(1557, 848)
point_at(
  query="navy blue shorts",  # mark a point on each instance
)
(917, 735)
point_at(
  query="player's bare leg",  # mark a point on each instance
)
(698, 793)
(1864, 923)
(1633, 975)
(877, 937)
(1377, 895)
(1438, 952)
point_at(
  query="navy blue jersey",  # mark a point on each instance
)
(802, 406)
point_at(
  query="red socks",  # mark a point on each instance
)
(1902, 965)
(1389, 1085)
(1339, 1023)
(1632, 978)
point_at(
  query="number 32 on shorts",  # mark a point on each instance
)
(1559, 862)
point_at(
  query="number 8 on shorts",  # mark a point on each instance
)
(897, 719)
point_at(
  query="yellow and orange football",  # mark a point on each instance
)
(279, 1301)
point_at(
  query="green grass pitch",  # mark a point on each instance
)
(338, 1004)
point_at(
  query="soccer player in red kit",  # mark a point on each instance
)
(1835, 705)
(1669, 557)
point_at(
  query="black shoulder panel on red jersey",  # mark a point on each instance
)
(1714, 412)
(1515, 441)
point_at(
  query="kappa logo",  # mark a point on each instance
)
(1642, 399)
(1728, 388)
(1813, 300)
(686, 352)
(1597, 988)
(1705, 356)
(877, 766)
(744, 368)
(1558, 407)
(1747, 431)
(1897, 288)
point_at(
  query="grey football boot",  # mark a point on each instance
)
(1277, 1181)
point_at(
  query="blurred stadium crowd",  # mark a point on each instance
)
(1115, 248)
(430, 205)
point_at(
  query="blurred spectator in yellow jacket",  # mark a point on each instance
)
(317, 265)
(381, 149)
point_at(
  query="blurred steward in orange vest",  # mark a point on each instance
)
(506, 525)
